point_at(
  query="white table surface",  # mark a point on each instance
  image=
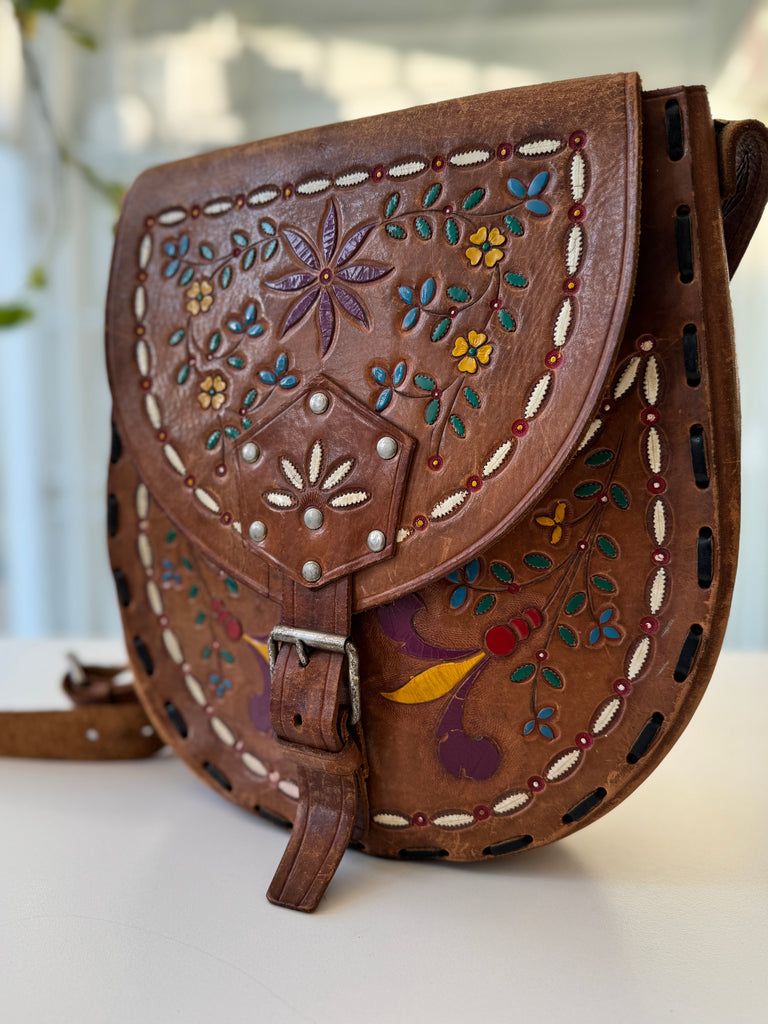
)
(129, 892)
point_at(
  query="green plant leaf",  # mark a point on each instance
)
(522, 673)
(458, 294)
(607, 546)
(424, 382)
(513, 224)
(620, 496)
(472, 397)
(502, 573)
(552, 678)
(451, 231)
(432, 411)
(575, 603)
(392, 204)
(458, 425)
(423, 228)
(431, 196)
(37, 276)
(599, 458)
(516, 280)
(471, 200)
(567, 636)
(603, 584)
(213, 439)
(536, 560)
(485, 604)
(588, 490)
(396, 231)
(441, 328)
(506, 320)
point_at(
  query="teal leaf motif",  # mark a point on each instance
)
(620, 496)
(471, 200)
(522, 673)
(213, 439)
(502, 573)
(206, 251)
(432, 411)
(225, 277)
(599, 458)
(249, 259)
(427, 292)
(575, 603)
(485, 604)
(607, 546)
(431, 196)
(458, 425)
(176, 337)
(441, 328)
(423, 228)
(214, 342)
(506, 320)
(187, 276)
(183, 374)
(270, 250)
(392, 204)
(536, 560)
(424, 382)
(472, 397)
(588, 490)
(451, 231)
(458, 294)
(232, 432)
(513, 224)
(396, 231)
(516, 280)
(567, 636)
(552, 678)
(604, 584)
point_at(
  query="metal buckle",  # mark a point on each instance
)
(336, 644)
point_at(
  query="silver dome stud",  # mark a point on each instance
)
(250, 452)
(386, 447)
(376, 540)
(313, 518)
(318, 403)
(257, 531)
(311, 571)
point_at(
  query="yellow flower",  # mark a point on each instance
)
(472, 352)
(554, 521)
(200, 297)
(485, 247)
(212, 392)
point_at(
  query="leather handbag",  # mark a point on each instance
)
(424, 487)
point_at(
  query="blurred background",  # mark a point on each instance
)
(94, 91)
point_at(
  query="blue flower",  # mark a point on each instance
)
(169, 573)
(388, 385)
(280, 375)
(520, 191)
(408, 295)
(222, 685)
(464, 577)
(176, 251)
(603, 630)
(246, 323)
(540, 723)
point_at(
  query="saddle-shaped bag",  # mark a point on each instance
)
(424, 487)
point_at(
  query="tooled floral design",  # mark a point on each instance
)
(200, 295)
(316, 484)
(486, 247)
(472, 351)
(555, 521)
(327, 279)
(211, 394)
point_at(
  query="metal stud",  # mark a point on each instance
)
(313, 518)
(386, 447)
(318, 403)
(250, 452)
(257, 531)
(311, 571)
(376, 540)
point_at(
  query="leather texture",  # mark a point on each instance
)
(459, 383)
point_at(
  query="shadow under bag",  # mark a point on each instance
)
(424, 494)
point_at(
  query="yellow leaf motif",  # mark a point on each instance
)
(433, 682)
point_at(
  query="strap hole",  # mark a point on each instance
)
(691, 355)
(143, 654)
(117, 446)
(507, 846)
(113, 519)
(583, 807)
(684, 244)
(699, 457)
(688, 653)
(218, 776)
(704, 557)
(645, 738)
(298, 721)
(674, 120)
(177, 719)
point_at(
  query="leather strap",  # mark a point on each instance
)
(107, 723)
(742, 154)
(310, 719)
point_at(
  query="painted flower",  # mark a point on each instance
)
(541, 724)
(485, 247)
(555, 521)
(326, 279)
(200, 295)
(212, 392)
(315, 483)
(531, 192)
(388, 383)
(280, 374)
(473, 351)
(463, 578)
(603, 629)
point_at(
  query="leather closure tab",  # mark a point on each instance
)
(321, 484)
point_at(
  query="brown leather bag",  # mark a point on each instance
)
(423, 505)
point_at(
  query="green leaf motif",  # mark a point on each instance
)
(215, 341)
(575, 603)
(232, 587)
(236, 362)
(267, 227)
(523, 673)
(513, 224)
(502, 573)
(567, 636)
(516, 280)
(396, 231)
(423, 228)
(249, 399)
(213, 440)
(606, 545)
(552, 678)
(588, 490)
(431, 196)
(602, 583)
(620, 496)
(392, 204)
(181, 376)
(441, 328)
(270, 250)
(176, 337)
(599, 458)
(537, 561)
(458, 425)
(424, 382)
(200, 618)
(485, 604)
(187, 276)
(475, 197)
(226, 656)
(232, 432)
(245, 423)
(458, 294)
(506, 320)
(472, 397)
(249, 259)
(206, 251)
(432, 411)
(451, 231)
(240, 239)
(225, 277)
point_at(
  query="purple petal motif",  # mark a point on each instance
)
(292, 282)
(299, 309)
(352, 244)
(301, 248)
(351, 305)
(329, 231)
(396, 621)
(363, 273)
(475, 757)
(326, 321)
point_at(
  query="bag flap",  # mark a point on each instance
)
(368, 347)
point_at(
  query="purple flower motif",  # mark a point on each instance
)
(326, 279)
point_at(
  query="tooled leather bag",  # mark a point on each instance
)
(423, 503)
